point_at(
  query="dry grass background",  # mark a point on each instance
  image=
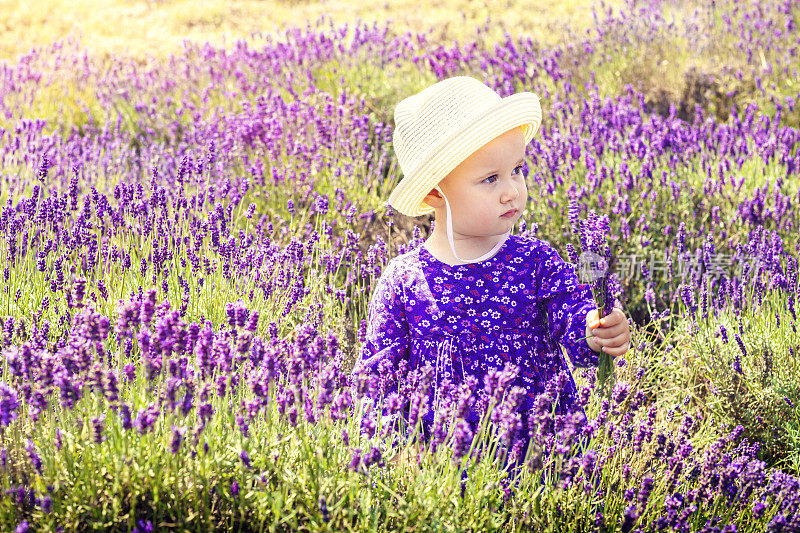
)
(149, 30)
(158, 27)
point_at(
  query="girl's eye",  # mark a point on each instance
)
(493, 177)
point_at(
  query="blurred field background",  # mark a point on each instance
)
(157, 28)
(667, 68)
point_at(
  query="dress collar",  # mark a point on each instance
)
(498, 258)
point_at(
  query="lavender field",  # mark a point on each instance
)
(189, 247)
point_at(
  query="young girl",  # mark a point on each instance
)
(474, 297)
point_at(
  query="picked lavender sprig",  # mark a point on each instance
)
(594, 268)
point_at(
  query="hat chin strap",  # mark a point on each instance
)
(487, 255)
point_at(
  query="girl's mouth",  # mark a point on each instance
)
(510, 213)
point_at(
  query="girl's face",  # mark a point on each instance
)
(487, 191)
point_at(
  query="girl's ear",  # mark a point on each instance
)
(434, 199)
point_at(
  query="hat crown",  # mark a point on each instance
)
(436, 114)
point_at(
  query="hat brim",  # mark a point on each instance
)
(520, 109)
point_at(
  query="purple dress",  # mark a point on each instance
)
(516, 306)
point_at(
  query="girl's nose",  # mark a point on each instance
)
(510, 192)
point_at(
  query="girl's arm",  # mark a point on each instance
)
(567, 303)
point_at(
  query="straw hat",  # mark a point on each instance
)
(440, 126)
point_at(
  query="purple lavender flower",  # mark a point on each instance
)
(77, 293)
(8, 404)
(372, 457)
(144, 526)
(127, 316)
(98, 424)
(147, 307)
(759, 508)
(204, 413)
(687, 296)
(146, 418)
(237, 314)
(355, 460)
(47, 504)
(178, 432)
(644, 491)
(323, 509)
(593, 268)
(36, 461)
(588, 463)
(125, 416)
(242, 423)
(462, 438)
(723, 333)
(778, 523)
(613, 291)
(737, 364)
(620, 393)
(340, 405)
(43, 168)
(59, 442)
(572, 253)
(629, 518)
(170, 389)
(245, 458)
(252, 322)
(291, 415)
(573, 213)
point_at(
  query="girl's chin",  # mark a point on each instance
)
(509, 221)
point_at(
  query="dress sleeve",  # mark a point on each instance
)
(567, 302)
(387, 336)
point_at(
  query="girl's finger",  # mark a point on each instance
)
(615, 317)
(611, 332)
(616, 352)
(613, 342)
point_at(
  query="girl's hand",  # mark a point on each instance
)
(611, 334)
